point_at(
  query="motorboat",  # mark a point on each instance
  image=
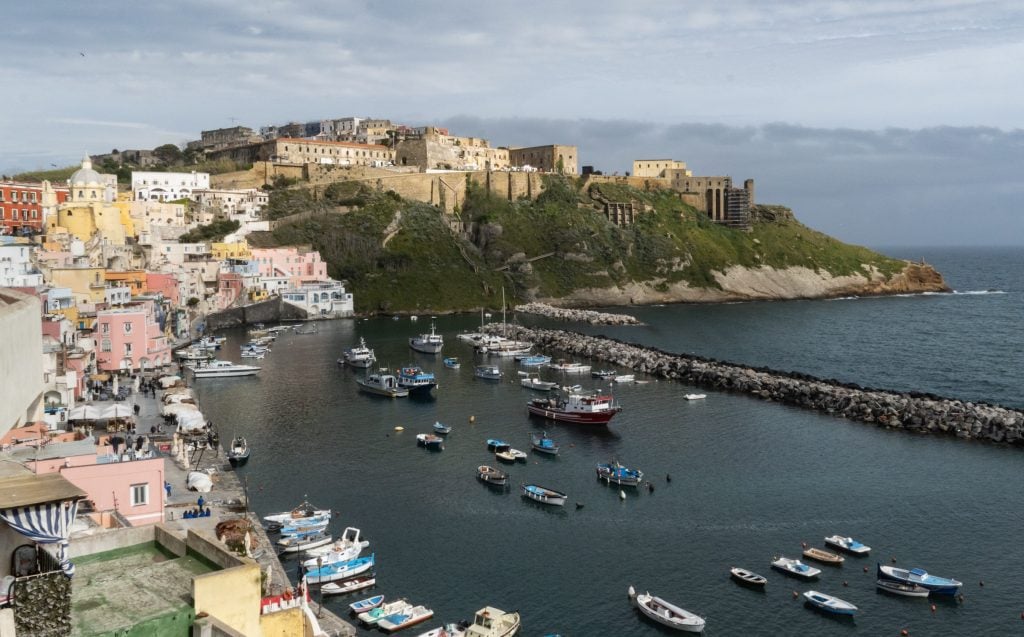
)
(665, 613)
(365, 605)
(898, 588)
(544, 495)
(193, 354)
(847, 544)
(493, 622)
(624, 378)
(543, 444)
(603, 373)
(428, 343)
(350, 585)
(334, 555)
(568, 367)
(825, 557)
(305, 529)
(442, 429)
(303, 511)
(452, 362)
(249, 354)
(505, 455)
(489, 475)
(239, 452)
(339, 570)
(487, 372)
(349, 539)
(695, 396)
(795, 568)
(404, 619)
(748, 578)
(416, 380)
(619, 474)
(534, 361)
(430, 441)
(296, 543)
(361, 356)
(935, 584)
(586, 409)
(448, 630)
(534, 382)
(382, 384)
(496, 444)
(829, 604)
(223, 369)
(371, 617)
(208, 343)
(518, 455)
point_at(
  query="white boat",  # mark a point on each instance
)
(296, 543)
(371, 617)
(665, 613)
(901, 588)
(624, 378)
(350, 585)
(305, 510)
(847, 544)
(518, 455)
(349, 538)
(796, 568)
(568, 367)
(193, 354)
(487, 372)
(404, 619)
(428, 343)
(382, 385)
(339, 570)
(534, 382)
(544, 495)
(223, 369)
(829, 603)
(493, 622)
(333, 556)
(695, 396)
(448, 630)
(257, 355)
(361, 356)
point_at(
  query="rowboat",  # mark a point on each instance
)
(535, 383)
(345, 554)
(749, 578)
(340, 570)
(350, 538)
(825, 557)
(487, 372)
(829, 604)
(899, 588)
(920, 577)
(847, 544)
(366, 605)
(350, 585)
(624, 378)
(405, 618)
(490, 475)
(665, 613)
(543, 444)
(795, 568)
(518, 455)
(544, 495)
(695, 396)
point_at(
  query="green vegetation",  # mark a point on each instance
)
(211, 232)
(56, 176)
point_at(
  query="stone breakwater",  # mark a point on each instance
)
(910, 411)
(581, 316)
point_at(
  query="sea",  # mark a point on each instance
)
(734, 481)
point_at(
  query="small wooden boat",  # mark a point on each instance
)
(442, 429)
(899, 588)
(430, 441)
(350, 585)
(404, 619)
(829, 604)
(847, 544)
(665, 613)
(695, 396)
(239, 452)
(372, 616)
(452, 363)
(544, 495)
(490, 475)
(534, 361)
(920, 577)
(305, 527)
(365, 605)
(543, 444)
(493, 622)
(825, 557)
(795, 568)
(748, 578)
(334, 555)
(505, 455)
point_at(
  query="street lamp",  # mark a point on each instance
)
(319, 572)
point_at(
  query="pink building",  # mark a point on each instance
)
(166, 284)
(130, 339)
(229, 287)
(299, 266)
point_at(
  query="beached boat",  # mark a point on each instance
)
(296, 543)
(920, 577)
(493, 622)
(223, 369)
(543, 444)
(448, 630)
(382, 385)
(615, 472)
(442, 429)
(534, 382)
(748, 578)
(428, 343)
(416, 380)
(452, 363)
(568, 367)
(366, 605)
(371, 617)
(361, 356)
(795, 568)
(339, 570)
(829, 604)
(304, 511)
(899, 588)
(665, 613)
(490, 475)
(405, 619)
(238, 453)
(847, 544)
(695, 396)
(825, 557)
(430, 441)
(351, 585)
(496, 444)
(586, 409)
(487, 372)
(544, 495)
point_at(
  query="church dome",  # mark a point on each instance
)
(85, 176)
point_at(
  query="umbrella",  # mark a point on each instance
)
(168, 381)
(191, 421)
(115, 389)
(120, 410)
(177, 409)
(84, 412)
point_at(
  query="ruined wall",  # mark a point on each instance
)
(270, 311)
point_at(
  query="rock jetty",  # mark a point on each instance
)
(910, 411)
(583, 316)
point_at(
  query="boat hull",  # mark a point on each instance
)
(893, 587)
(748, 578)
(579, 418)
(544, 495)
(935, 585)
(199, 373)
(426, 348)
(238, 460)
(829, 604)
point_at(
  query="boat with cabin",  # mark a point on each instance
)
(829, 603)
(490, 475)
(430, 441)
(405, 619)
(847, 544)
(303, 542)
(543, 444)
(534, 382)
(748, 578)
(534, 361)
(544, 495)
(487, 372)
(361, 356)
(350, 585)
(825, 557)
(223, 369)
(493, 622)
(442, 429)
(193, 354)
(665, 613)
(497, 444)
(238, 453)
(428, 343)
(333, 555)
(899, 588)
(795, 568)
(349, 539)
(935, 584)
(452, 362)
(615, 472)
(416, 380)
(569, 367)
(585, 409)
(603, 373)
(382, 384)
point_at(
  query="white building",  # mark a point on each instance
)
(157, 186)
(21, 365)
(326, 299)
(234, 205)
(16, 268)
(117, 295)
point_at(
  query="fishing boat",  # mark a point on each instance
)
(404, 619)
(899, 588)
(351, 585)
(371, 617)
(695, 396)
(366, 605)
(490, 475)
(493, 622)
(795, 568)
(430, 441)
(361, 356)
(534, 361)
(624, 378)
(920, 577)
(496, 444)
(428, 343)
(416, 380)
(253, 346)
(617, 473)
(544, 495)
(339, 570)
(829, 604)
(448, 630)
(305, 527)
(382, 385)
(825, 557)
(568, 367)
(296, 543)
(452, 363)
(586, 409)
(442, 429)
(543, 444)
(223, 369)
(505, 455)
(208, 343)
(304, 511)
(535, 383)
(748, 578)
(665, 613)
(487, 372)
(603, 373)
(847, 544)
(257, 355)
(239, 452)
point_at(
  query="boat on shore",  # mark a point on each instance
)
(829, 603)
(416, 380)
(748, 578)
(430, 441)
(665, 613)
(493, 622)
(825, 557)
(487, 372)
(585, 409)
(351, 585)
(238, 453)
(366, 605)
(795, 568)
(535, 383)
(899, 588)
(920, 577)
(223, 369)
(847, 544)
(492, 476)
(619, 474)
(544, 495)
(382, 384)
(428, 343)
(361, 356)
(543, 444)
(405, 619)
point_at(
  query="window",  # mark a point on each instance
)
(105, 328)
(105, 345)
(127, 327)
(127, 349)
(140, 494)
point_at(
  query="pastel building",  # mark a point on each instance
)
(296, 265)
(23, 206)
(159, 186)
(236, 205)
(131, 338)
(16, 267)
(323, 299)
(165, 284)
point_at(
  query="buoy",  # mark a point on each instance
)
(803, 544)
(845, 583)
(622, 494)
(399, 428)
(865, 569)
(668, 477)
(933, 608)
(904, 632)
(893, 559)
(472, 419)
(981, 583)
(795, 594)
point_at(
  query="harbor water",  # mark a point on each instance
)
(735, 480)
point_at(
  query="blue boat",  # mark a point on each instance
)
(339, 570)
(442, 429)
(493, 444)
(452, 363)
(535, 361)
(615, 472)
(416, 380)
(303, 531)
(919, 576)
(829, 604)
(543, 444)
(367, 604)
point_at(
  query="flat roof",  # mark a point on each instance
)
(24, 489)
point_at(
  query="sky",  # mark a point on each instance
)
(882, 123)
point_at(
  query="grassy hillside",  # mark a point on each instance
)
(426, 267)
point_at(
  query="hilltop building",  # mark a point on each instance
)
(90, 209)
(549, 159)
(161, 186)
(432, 148)
(659, 167)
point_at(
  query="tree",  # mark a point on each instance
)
(192, 302)
(168, 154)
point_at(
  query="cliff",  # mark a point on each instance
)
(561, 249)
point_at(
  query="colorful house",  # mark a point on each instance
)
(131, 338)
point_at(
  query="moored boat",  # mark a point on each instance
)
(588, 409)
(825, 557)
(351, 585)
(569, 367)
(339, 570)
(416, 380)
(442, 429)
(493, 622)
(518, 455)
(193, 354)
(405, 619)
(448, 630)
(624, 378)
(748, 578)
(487, 372)
(899, 588)
(534, 361)
(505, 455)
(223, 369)
(427, 343)
(534, 382)
(695, 396)
(496, 444)
(296, 543)
(935, 584)
(239, 452)
(382, 384)
(603, 373)
(847, 544)
(543, 444)
(303, 511)
(452, 363)
(617, 473)
(371, 617)
(544, 495)
(829, 603)
(333, 555)
(361, 356)
(489, 475)
(795, 568)
(665, 613)
(430, 441)
(365, 605)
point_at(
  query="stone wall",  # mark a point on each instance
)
(911, 411)
(270, 311)
(43, 606)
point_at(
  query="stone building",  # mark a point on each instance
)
(309, 151)
(432, 148)
(658, 167)
(224, 138)
(554, 158)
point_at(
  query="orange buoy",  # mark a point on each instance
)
(472, 419)
(904, 632)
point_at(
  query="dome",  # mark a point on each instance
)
(85, 176)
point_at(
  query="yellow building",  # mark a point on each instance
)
(135, 280)
(658, 167)
(222, 251)
(87, 284)
(87, 210)
(124, 206)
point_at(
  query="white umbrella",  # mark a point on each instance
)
(169, 381)
(115, 385)
(172, 399)
(191, 421)
(118, 410)
(177, 409)
(84, 412)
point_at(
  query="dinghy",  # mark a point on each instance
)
(350, 585)
(847, 544)
(340, 570)
(824, 557)
(490, 475)
(829, 604)
(366, 605)
(898, 588)
(544, 495)
(665, 613)
(371, 617)
(748, 578)
(405, 619)
(795, 568)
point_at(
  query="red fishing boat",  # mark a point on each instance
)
(586, 409)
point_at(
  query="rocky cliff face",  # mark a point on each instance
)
(764, 284)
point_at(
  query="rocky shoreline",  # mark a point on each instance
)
(910, 411)
(582, 316)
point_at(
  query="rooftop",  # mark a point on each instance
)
(23, 488)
